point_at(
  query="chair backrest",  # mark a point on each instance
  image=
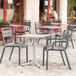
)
(73, 22)
(37, 27)
(64, 40)
(4, 24)
(57, 21)
(66, 35)
(46, 23)
(37, 24)
(7, 33)
(26, 23)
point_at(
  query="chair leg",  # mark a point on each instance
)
(20, 39)
(11, 53)
(43, 56)
(62, 57)
(2, 54)
(15, 37)
(68, 44)
(47, 60)
(26, 54)
(38, 40)
(19, 56)
(72, 42)
(67, 60)
(24, 38)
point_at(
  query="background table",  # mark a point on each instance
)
(51, 28)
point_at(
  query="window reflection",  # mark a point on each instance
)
(10, 11)
(14, 11)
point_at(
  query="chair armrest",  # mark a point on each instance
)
(59, 43)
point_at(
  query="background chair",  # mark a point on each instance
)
(60, 45)
(26, 28)
(2, 25)
(46, 23)
(7, 32)
(58, 21)
(71, 27)
(38, 29)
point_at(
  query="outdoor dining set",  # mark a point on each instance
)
(56, 40)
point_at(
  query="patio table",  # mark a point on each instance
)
(34, 36)
(51, 28)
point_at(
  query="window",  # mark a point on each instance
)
(11, 10)
(1, 10)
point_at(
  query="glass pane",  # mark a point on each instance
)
(51, 12)
(1, 10)
(14, 11)
(9, 10)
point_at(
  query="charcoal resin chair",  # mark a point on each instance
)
(72, 26)
(38, 29)
(59, 45)
(7, 32)
(26, 28)
(58, 21)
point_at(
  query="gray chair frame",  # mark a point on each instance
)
(7, 32)
(27, 24)
(58, 21)
(57, 46)
(70, 38)
(38, 29)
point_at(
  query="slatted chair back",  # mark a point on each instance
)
(7, 34)
(37, 27)
(26, 24)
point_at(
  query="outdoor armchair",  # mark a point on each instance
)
(26, 28)
(7, 32)
(60, 45)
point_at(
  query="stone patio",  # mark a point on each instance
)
(56, 67)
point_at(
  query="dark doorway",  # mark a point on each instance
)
(2, 3)
(41, 6)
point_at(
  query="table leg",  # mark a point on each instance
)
(34, 57)
(14, 33)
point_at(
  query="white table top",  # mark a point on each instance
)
(34, 36)
(51, 27)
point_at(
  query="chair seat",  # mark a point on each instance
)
(17, 44)
(56, 48)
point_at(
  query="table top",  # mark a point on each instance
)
(34, 36)
(51, 27)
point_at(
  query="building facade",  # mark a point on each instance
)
(30, 10)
